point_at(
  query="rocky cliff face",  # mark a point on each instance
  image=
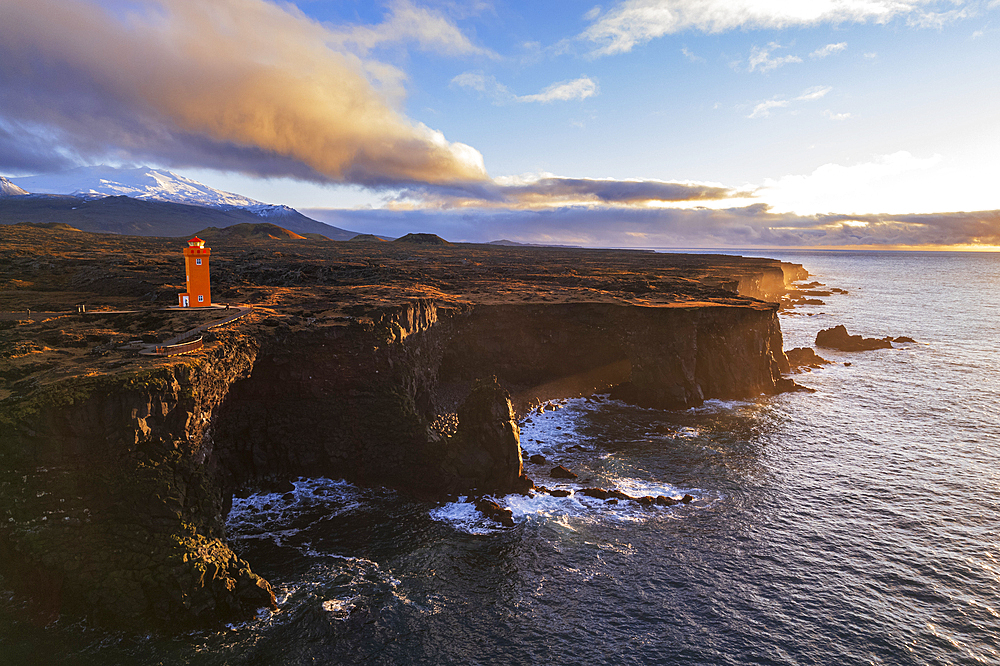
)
(673, 357)
(116, 487)
(112, 509)
(357, 400)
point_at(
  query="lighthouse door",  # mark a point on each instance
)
(187, 302)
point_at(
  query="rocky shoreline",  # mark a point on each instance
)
(118, 471)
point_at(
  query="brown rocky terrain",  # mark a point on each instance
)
(372, 362)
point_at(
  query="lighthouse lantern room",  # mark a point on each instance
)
(199, 290)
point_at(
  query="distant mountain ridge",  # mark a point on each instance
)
(143, 183)
(134, 217)
(77, 196)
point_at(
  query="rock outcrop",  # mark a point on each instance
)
(494, 511)
(804, 357)
(560, 472)
(485, 452)
(838, 338)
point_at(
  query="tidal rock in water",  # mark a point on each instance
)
(537, 459)
(602, 494)
(805, 357)
(904, 339)
(838, 338)
(663, 500)
(560, 493)
(560, 472)
(495, 512)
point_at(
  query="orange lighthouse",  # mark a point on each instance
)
(199, 289)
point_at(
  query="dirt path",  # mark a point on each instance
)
(237, 312)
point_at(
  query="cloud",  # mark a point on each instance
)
(816, 92)
(761, 60)
(407, 23)
(577, 89)
(744, 227)
(24, 151)
(828, 50)
(564, 91)
(541, 191)
(635, 22)
(691, 56)
(836, 116)
(887, 182)
(937, 20)
(477, 81)
(763, 109)
(237, 85)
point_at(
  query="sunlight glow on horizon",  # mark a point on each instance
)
(698, 118)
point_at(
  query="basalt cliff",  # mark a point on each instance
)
(381, 363)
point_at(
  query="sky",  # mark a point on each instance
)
(645, 123)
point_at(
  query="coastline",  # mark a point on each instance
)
(350, 355)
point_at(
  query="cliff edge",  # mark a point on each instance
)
(384, 364)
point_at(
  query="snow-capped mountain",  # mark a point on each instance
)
(148, 206)
(9, 189)
(145, 184)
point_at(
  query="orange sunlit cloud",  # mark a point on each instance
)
(245, 85)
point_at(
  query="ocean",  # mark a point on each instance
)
(854, 525)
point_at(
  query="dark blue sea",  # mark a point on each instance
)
(859, 524)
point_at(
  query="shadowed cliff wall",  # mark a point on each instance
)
(356, 401)
(112, 509)
(116, 487)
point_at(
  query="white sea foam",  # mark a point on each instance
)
(558, 431)
(464, 517)
(565, 512)
(336, 585)
(713, 406)
(641, 488)
(340, 609)
(554, 426)
(280, 516)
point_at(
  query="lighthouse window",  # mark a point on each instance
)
(201, 299)
(198, 261)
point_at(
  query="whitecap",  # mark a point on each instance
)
(714, 405)
(280, 516)
(464, 517)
